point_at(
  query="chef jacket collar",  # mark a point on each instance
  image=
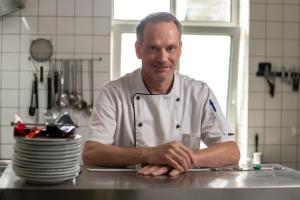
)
(175, 90)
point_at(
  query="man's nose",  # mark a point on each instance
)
(162, 56)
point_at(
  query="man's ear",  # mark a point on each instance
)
(138, 50)
(180, 47)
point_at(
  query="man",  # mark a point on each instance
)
(138, 119)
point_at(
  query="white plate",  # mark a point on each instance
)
(47, 148)
(49, 181)
(42, 153)
(45, 165)
(45, 170)
(46, 173)
(49, 141)
(43, 176)
(33, 160)
(48, 157)
(46, 178)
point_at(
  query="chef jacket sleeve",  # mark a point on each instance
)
(102, 123)
(214, 127)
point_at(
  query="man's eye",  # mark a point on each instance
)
(170, 49)
(152, 48)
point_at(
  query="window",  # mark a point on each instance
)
(210, 40)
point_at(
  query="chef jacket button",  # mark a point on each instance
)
(140, 124)
(178, 99)
(177, 126)
(138, 97)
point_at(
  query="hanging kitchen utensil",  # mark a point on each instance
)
(295, 81)
(36, 92)
(63, 100)
(72, 73)
(41, 73)
(48, 112)
(284, 74)
(80, 104)
(89, 108)
(270, 78)
(50, 115)
(289, 77)
(77, 97)
(54, 110)
(56, 81)
(54, 92)
(256, 142)
(32, 107)
(41, 50)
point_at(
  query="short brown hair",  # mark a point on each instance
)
(156, 17)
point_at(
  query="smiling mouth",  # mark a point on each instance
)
(160, 67)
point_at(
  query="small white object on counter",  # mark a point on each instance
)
(257, 158)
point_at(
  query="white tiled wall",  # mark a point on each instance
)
(77, 29)
(274, 37)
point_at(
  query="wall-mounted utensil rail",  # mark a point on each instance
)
(288, 76)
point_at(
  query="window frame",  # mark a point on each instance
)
(191, 27)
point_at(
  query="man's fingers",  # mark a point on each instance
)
(181, 158)
(174, 164)
(148, 169)
(143, 169)
(187, 151)
(173, 172)
(160, 171)
(173, 154)
(184, 152)
(153, 170)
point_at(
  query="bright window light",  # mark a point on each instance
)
(204, 10)
(207, 58)
(129, 61)
(137, 9)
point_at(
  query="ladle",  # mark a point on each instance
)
(80, 104)
(63, 100)
(71, 82)
(89, 108)
(54, 87)
(48, 112)
(76, 96)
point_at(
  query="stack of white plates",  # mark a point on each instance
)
(47, 160)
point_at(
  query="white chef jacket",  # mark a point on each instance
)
(126, 114)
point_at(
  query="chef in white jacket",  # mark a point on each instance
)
(140, 118)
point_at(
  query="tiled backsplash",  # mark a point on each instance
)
(274, 37)
(76, 28)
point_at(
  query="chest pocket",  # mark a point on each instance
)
(156, 119)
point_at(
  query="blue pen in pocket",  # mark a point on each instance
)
(211, 103)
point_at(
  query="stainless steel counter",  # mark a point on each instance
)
(264, 184)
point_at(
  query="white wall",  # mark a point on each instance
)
(274, 37)
(77, 29)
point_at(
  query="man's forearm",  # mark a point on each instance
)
(173, 154)
(95, 153)
(217, 155)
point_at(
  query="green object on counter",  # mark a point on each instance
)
(257, 167)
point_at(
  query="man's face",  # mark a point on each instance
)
(159, 51)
